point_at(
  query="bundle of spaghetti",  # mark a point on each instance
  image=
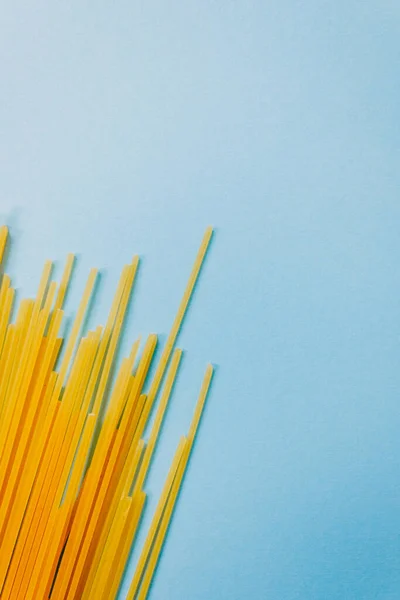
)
(74, 456)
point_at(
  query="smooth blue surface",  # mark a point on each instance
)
(128, 127)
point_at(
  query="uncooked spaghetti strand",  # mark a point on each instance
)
(41, 293)
(8, 345)
(140, 567)
(172, 499)
(6, 300)
(158, 419)
(80, 315)
(166, 518)
(117, 569)
(162, 365)
(62, 290)
(111, 546)
(3, 241)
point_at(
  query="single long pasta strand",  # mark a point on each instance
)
(54, 376)
(9, 345)
(140, 567)
(7, 365)
(117, 568)
(62, 290)
(205, 386)
(165, 520)
(43, 285)
(3, 241)
(172, 498)
(6, 301)
(5, 285)
(111, 545)
(162, 365)
(159, 418)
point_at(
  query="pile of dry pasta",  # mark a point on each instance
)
(73, 453)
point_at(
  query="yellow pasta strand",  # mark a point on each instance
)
(169, 503)
(158, 419)
(156, 520)
(117, 569)
(162, 365)
(155, 553)
(111, 546)
(3, 241)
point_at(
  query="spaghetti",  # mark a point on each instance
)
(73, 456)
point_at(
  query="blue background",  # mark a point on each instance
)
(129, 127)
